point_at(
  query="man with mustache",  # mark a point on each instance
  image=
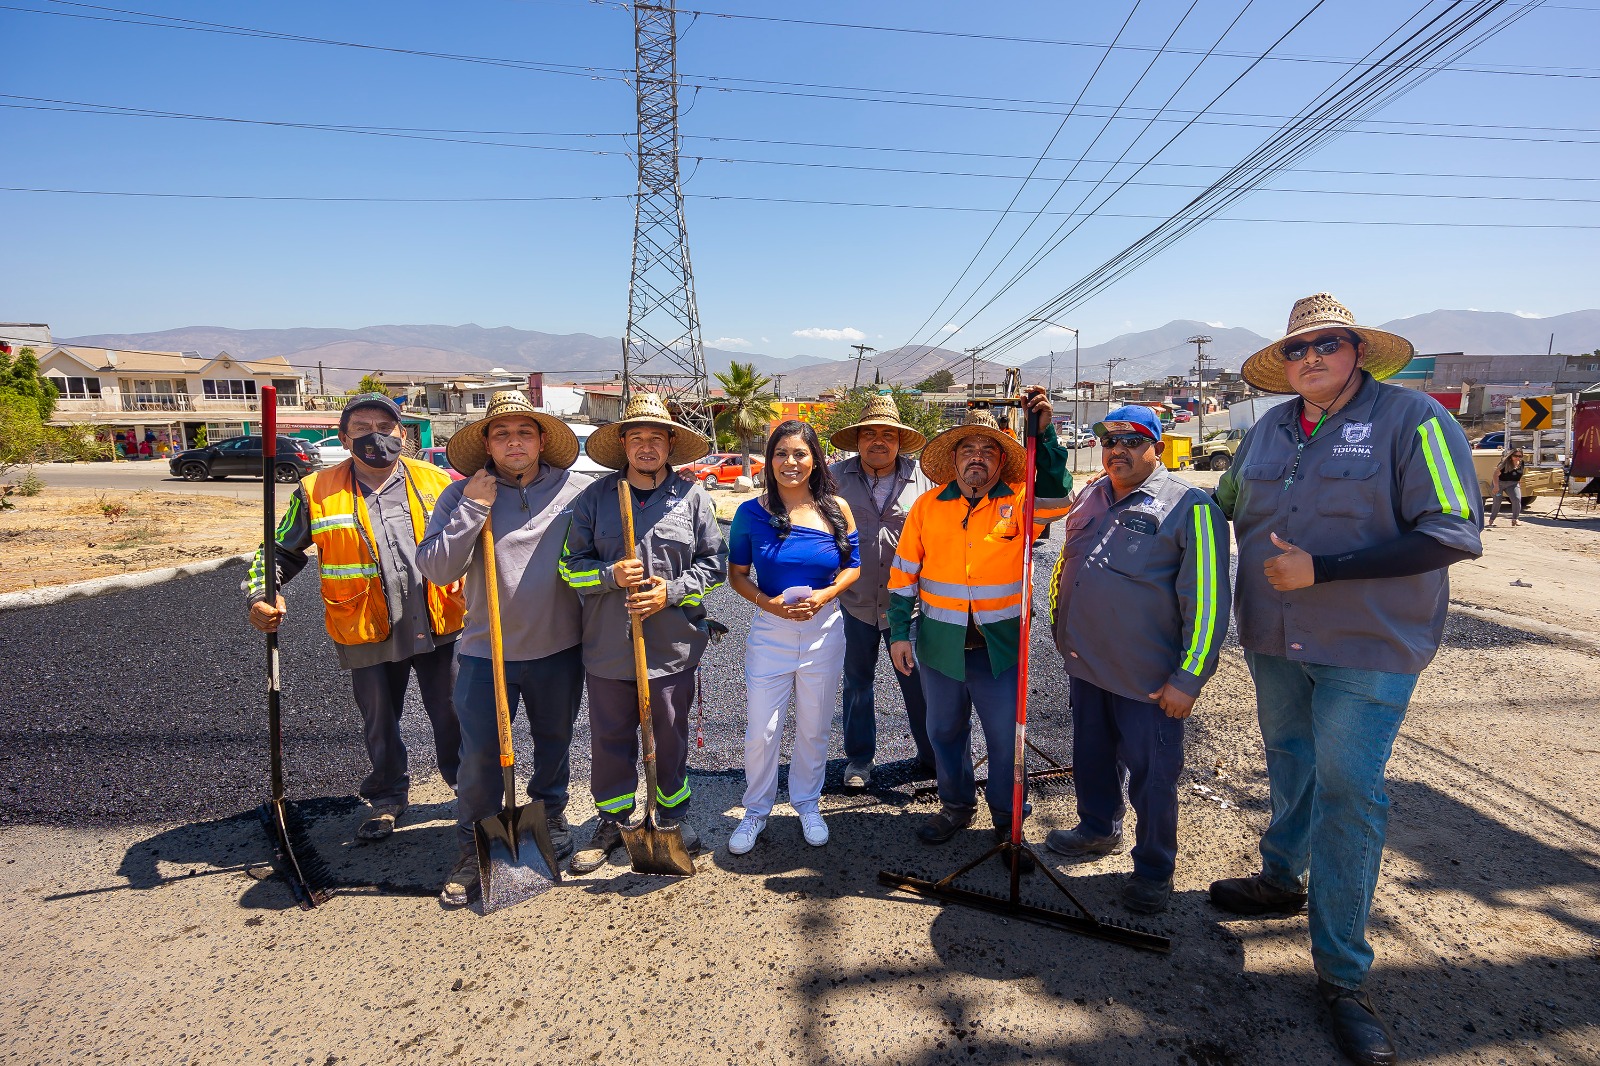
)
(366, 516)
(958, 575)
(1138, 608)
(880, 483)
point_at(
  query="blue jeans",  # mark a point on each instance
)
(950, 706)
(551, 689)
(861, 643)
(1328, 732)
(1117, 739)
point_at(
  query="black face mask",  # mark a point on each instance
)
(377, 449)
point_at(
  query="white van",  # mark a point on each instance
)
(584, 464)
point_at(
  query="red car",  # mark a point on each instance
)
(721, 468)
(436, 457)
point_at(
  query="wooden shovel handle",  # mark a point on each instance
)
(641, 669)
(497, 650)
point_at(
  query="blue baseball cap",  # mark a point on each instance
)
(1130, 419)
(367, 399)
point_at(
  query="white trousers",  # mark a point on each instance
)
(783, 658)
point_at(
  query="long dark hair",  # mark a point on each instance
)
(821, 483)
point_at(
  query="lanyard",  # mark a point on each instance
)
(1300, 444)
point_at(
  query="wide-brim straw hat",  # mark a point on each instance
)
(1387, 353)
(939, 457)
(645, 409)
(880, 411)
(468, 448)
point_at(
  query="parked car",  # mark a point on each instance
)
(584, 464)
(1496, 440)
(332, 451)
(722, 468)
(1083, 439)
(436, 456)
(242, 456)
(1181, 416)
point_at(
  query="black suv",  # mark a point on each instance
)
(242, 455)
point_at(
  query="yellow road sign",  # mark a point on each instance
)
(1536, 411)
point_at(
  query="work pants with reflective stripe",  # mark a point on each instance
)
(380, 692)
(782, 658)
(550, 689)
(614, 743)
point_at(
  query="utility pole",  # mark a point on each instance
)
(861, 354)
(972, 389)
(662, 346)
(1077, 380)
(322, 386)
(1200, 361)
(777, 384)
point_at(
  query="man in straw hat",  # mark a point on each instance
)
(366, 516)
(880, 483)
(958, 574)
(517, 461)
(1349, 503)
(680, 558)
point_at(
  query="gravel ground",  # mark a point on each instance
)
(138, 931)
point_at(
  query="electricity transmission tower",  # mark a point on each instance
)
(662, 347)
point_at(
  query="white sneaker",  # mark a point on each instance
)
(744, 837)
(814, 828)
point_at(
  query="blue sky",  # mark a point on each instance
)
(1520, 138)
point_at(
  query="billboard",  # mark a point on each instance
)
(1586, 439)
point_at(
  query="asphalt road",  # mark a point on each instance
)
(133, 476)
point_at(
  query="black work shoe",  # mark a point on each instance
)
(606, 839)
(1076, 844)
(939, 828)
(1254, 896)
(381, 823)
(1357, 1029)
(691, 837)
(1144, 896)
(858, 774)
(560, 834)
(462, 882)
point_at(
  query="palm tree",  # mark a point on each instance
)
(748, 410)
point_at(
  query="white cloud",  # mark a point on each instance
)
(730, 342)
(950, 327)
(1527, 314)
(1216, 325)
(764, 340)
(817, 333)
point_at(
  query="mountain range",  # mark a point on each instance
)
(345, 354)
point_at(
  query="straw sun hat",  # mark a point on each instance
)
(468, 448)
(645, 409)
(939, 457)
(880, 411)
(1387, 354)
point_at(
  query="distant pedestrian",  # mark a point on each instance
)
(880, 483)
(801, 539)
(1508, 483)
(1349, 504)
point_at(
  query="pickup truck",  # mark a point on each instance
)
(1216, 452)
(1536, 480)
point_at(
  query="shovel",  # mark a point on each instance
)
(516, 860)
(651, 849)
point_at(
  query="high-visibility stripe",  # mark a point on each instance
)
(1055, 585)
(989, 618)
(288, 517)
(906, 566)
(971, 592)
(1452, 500)
(578, 579)
(1205, 593)
(335, 571)
(613, 806)
(904, 590)
(674, 799)
(944, 614)
(324, 524)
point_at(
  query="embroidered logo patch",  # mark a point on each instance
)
(1005, 511)
(1356, 432)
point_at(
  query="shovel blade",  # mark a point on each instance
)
(654, 850)
(516, 860)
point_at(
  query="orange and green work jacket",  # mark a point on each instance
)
(961, 561)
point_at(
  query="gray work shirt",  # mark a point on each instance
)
(389, 512)
(1391, 461)
(677, 536)
(1139, 597)
(879, 524)
(539, 614)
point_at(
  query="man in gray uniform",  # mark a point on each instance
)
(517, 458)
(681, 557)
(1138, 608)
(366, 515)
(1349, 503)
(880, 483)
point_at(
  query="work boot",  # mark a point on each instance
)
(606, 839)
(1254, 896)
(462, 882)
(1076, 844)
(939, 828)
(560, 834)
(691, 837)
(1026, 863)
(858, 774)
(381, 822)
(1144, 896)
(1357, 1029)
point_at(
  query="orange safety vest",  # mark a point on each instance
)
(352, 587)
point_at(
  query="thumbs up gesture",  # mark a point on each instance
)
(1291, 570)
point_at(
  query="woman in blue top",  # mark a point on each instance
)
(801, 539)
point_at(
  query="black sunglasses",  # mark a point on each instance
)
(1130, 441)
(1298, 350)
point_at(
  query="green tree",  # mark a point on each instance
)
(913, 412)
(372, 382)
(22, 433)
(749, 408)
(19, 376)
(938, 381)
